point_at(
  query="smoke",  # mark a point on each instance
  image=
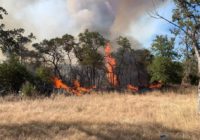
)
(50, 18)
(109, 16)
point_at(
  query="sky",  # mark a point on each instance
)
(146, 28)
(41, 17)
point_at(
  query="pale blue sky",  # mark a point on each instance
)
(147, 27)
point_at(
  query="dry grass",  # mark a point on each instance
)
(99, 117)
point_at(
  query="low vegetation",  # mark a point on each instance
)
(101, 116)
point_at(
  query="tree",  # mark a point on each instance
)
(51, 52)
(43, 80)
(185, 20)
(88, 53)
(190, 74)
(13, 75)
(68, 45)
(164, 47)
(12, 42)
(131, 64)
(164, 67)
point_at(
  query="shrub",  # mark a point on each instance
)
(43, 80)
(13, 75)
(166, 70)
(28, 90)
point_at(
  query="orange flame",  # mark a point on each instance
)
(110, 65)
(156, 85)
(77, 89)
(132, 88)
(59, 84)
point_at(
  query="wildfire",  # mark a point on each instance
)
(76, 90)
(156, 85)
(152, 86)
(59, 84)
(132, 88)
(110, 65)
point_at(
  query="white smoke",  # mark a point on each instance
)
(50, 18)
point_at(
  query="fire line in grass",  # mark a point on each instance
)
(76, 89)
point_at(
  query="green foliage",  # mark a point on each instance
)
(87, 51)
(165, 70)
(12, 42)
(164, 67)
(124, 42)
(52, 51)
(13, 75)
(162, 46)
(44, 74)
(190, 71)
(28, 90)
(43, 80)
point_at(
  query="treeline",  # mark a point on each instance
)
(30, 68)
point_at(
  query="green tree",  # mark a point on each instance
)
(43, 80)
(165, 70)
(88, 53)
(13, 42)
(51, 52)
(190, 74)
(164, 67)
(163, 46)
(13, 75)
(185, 20)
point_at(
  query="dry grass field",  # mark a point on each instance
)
(101, 117)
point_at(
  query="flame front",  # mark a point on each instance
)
(133, 88)
(59, 84)
(77, 89)
(156, 85)
(110, 65)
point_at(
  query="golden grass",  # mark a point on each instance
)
(101, 117)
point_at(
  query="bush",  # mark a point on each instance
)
(43, 80)
(13, 75)
(166, 70)
(28, 90)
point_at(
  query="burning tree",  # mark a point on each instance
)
(111, 66)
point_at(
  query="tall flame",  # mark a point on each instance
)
(59, 84)
(110, 65)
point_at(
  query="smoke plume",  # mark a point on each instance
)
(55, 17)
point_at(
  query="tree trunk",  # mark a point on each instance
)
(198, 60)
(199, 97)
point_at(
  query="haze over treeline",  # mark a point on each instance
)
(53, 18)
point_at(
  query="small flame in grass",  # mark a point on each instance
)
(110, 65)
(157, 85)
(76, 90)
(132, 88)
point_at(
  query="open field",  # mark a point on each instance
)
(101, 117)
